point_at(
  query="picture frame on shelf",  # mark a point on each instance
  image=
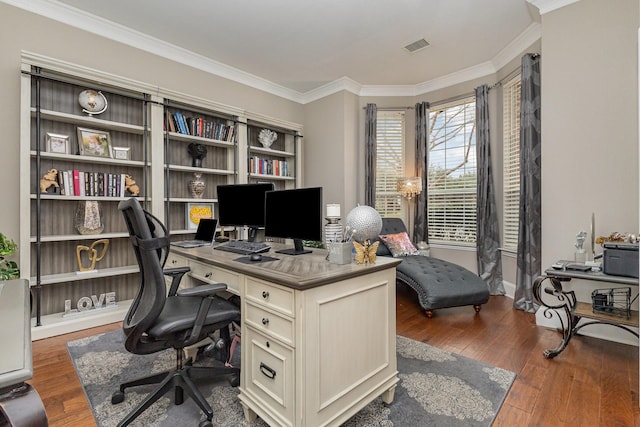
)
(57, 143)
(195, 211)
(96, 143)
(121, 153)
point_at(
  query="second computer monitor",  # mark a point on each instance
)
(242, 205)
(294, 214)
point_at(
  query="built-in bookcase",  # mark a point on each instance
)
(276, 163)
(140, 121)
(54, 118)
(185, 126)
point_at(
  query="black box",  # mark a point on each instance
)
(621, 259)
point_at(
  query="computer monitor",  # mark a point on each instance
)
(294, 214)
(242, 205)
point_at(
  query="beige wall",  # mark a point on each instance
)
(589, 122)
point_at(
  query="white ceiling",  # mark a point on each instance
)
(296, 48)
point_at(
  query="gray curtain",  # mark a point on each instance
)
(370, 155)
(487, 229)
(420, 227)
(529, 222)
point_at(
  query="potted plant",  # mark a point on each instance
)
(8, 269)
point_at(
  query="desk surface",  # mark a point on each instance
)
(295, 271)
(592, 275)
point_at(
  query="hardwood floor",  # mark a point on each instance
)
(592, 383)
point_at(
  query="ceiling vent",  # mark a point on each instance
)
(416, 46)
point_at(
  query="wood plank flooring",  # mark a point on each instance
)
(592, 383)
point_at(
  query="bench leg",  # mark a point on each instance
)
(429, 313)
(477, 308)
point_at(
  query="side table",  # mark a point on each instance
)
(566, 302)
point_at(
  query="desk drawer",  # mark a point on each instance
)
(210, 274)
(275, 297)
(269, 323)
(270, 372)
(174, 261)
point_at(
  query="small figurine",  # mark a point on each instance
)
(131, 186)
(49, 179)
(366, 252)
(197, 152)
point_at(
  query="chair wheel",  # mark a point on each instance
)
(117, 397)
(234, 380)
(205, 423)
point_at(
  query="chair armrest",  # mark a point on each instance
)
(203, 290)
(176, 274)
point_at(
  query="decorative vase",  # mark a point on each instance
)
(197, 186)
(89, 219)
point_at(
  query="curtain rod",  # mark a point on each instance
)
(390, 108)
(507, 77)
(452, 99)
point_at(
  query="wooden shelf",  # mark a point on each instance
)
(88, 121)
(201, 140)
(585, 310)
(76, 158)
(67, 237)
(72, 277)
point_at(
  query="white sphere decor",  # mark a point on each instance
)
(366, 221)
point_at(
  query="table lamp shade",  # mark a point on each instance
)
(409, 186)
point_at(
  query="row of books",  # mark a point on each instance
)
(199, 126)
(268, 166)
(78, 183)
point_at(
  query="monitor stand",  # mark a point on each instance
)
(298, 249)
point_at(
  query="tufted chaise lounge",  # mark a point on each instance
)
(438, 283)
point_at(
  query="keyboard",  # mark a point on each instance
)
(243, 247)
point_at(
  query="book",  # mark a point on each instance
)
(60, 179)
(76, 182)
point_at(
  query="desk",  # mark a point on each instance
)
(318, 339)
(575, 311)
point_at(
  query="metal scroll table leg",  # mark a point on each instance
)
(566, 303)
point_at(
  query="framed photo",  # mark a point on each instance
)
(95, 143)
(121, 153)
(57, 143)
(195, 211)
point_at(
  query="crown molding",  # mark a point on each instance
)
(545, 6)
(71, 16)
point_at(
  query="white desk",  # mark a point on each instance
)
(318, 339)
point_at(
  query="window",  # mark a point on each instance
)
(452, 177)
(390, 132)
(511, 163)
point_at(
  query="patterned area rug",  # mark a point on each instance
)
(437, 388)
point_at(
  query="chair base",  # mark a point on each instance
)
(181, 381)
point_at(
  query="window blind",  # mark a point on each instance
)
(452, 176)
(390, 135)
(511, 162)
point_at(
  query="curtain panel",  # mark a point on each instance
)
(420, 226)
(487, 229)
(370, 155)
(530, 218)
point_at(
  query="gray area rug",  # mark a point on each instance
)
(437, 388)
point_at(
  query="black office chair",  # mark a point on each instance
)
(158, 319)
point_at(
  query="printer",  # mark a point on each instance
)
(620, 259)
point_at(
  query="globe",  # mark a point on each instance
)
(92, 102)
(366, 221)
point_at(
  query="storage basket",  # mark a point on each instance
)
(613, 301)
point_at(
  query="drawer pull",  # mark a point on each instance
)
(265, 321)
(267, 371)
(208, 275)
(174, 262)
(265, 294)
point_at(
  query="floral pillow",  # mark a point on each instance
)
(399, 244)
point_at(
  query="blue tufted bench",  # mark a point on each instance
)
(438, 283)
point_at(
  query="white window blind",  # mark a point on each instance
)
(390, 134)
(452, 178)
(511, 162)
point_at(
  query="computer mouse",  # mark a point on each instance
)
(255, 257)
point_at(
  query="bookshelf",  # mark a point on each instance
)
(277, 163)
(189, 127)
(152, 150)
(65, 218)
